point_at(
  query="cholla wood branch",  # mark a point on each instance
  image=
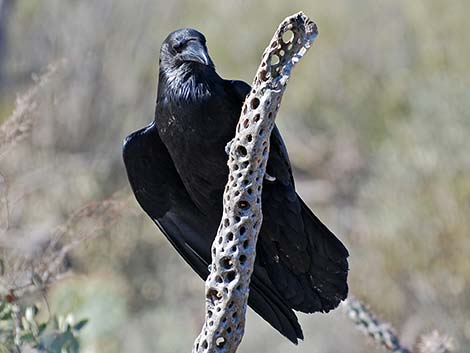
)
(367, 322)
(383, 334)
(234, 247)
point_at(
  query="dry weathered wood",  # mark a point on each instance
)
(234, 247)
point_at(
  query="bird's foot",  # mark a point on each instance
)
(269, 177)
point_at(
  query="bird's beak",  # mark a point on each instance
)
(196, 52)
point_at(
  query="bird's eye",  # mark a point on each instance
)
(178, 47)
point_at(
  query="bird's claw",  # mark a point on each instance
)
(269, 177)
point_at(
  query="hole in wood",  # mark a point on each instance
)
(246, 244)
(254, 103)
(213, 295)
(242, 150)
(244, 205)
(231, 276)
(287, 36)
(220, 342)
(264, 75)
(226, 263)
(275, 59)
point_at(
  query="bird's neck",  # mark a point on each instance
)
(187, 82)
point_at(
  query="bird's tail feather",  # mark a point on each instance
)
(267, 302)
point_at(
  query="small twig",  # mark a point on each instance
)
(4, 205)
(234, 247)
(41, 286)
(15, 310)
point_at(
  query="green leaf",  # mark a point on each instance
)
(79, 325)
(5, 311)
(6, 315)
(41, 328)
(28, 337)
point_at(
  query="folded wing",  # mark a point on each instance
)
(161, 193)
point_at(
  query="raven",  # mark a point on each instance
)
(177, 168)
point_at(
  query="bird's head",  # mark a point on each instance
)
(185, 47)
(186, 70)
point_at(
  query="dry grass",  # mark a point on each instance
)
(35, 264)
(20, 123)
(29, 262)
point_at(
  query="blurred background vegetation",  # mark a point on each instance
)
(376, 120)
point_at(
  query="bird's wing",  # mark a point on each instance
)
(161, 193)
(307, 260)
(303, 258)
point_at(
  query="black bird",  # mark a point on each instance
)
(177, 167)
